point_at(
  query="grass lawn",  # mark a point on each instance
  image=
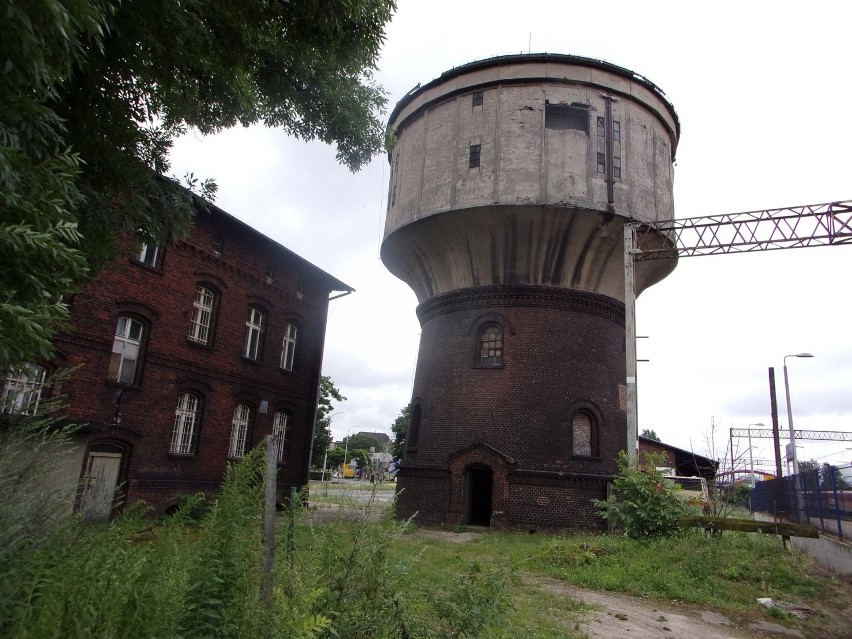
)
(726, 574)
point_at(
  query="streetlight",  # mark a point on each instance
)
(791, 454)
(346, 449)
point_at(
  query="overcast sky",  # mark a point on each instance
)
(762, 90)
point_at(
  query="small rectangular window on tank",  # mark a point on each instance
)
(474, 156)
(477, 98)
(616, 131)
(564, 117)
(601, 127)
(601, 163)
(616, 167)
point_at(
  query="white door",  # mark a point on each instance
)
(99, 486)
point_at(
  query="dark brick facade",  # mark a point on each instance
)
(137, 420)
(563, 352)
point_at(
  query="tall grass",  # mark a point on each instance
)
(130, 579)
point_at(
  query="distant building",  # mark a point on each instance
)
(186, 356)
(381, 438)
(684, 463)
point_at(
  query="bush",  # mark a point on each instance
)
(645, 503)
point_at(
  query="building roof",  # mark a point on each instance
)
(382, 438)
(334, 283)
(529, 58)
(685, 462)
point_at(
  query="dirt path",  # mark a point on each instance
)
(623, 616)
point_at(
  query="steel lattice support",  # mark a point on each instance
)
(767, 230)
(815, 435)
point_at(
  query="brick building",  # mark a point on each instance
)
(186, 356)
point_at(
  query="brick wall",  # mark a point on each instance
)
(562, 350)
(140, 417)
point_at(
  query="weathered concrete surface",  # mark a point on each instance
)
(831, 553)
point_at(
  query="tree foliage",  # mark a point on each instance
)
(827, 472)
(644, 503)
(649, 433)
(328, 394)
(400, 432)
(93, 92)
(364, 442)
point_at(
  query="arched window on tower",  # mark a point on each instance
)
(414, 427)
(491, 345)
(584, 436)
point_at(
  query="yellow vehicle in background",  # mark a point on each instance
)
(348, 471)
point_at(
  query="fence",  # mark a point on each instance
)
(816, 496)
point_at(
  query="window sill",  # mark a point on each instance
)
(184, 456)
(249, 360)
(116, 384)
(205, 347)
(496, 366)
(154, 269)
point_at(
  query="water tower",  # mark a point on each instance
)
(511, 181)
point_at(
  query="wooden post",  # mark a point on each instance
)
(269, 517)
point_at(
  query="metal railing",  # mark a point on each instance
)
(816, 496)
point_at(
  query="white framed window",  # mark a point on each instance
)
(187, 416)
(148, 255)
(124, 361)
(281, 433)
(491, 346)
(202, 315)
(288, 348)
(254, 333)
(22, 390)
(239, 431)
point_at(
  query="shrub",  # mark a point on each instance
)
(644, 503)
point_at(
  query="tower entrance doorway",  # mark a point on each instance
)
(480, 482)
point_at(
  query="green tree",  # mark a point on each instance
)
(644, 503)
(400, 432)
(335, 457)
(328, 394)
(93, 92)
(649, 433)
(364, 442)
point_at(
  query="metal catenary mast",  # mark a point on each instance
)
(766, 230)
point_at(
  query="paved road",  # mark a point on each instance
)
(350, 489)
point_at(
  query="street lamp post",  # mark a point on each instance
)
(792, 453)
(346, 448)
(325, 457)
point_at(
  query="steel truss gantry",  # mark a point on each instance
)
(766, 230)
(815, 435)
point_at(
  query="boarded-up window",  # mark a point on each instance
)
(414, 427)
(567, 117)
(582, 433)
